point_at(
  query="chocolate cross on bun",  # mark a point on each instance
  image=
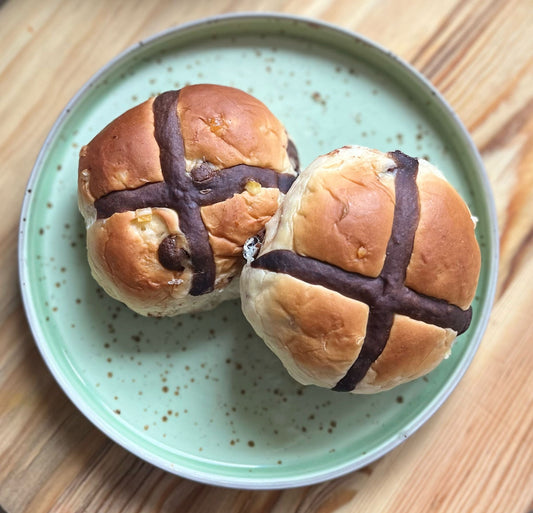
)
(171, 190)
(382, 263)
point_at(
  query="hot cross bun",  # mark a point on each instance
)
(366, 273)
(170, 191)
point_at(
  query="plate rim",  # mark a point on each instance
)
(250, 482)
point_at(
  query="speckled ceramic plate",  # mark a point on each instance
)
(200, 395)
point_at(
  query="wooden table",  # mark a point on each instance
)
(475, 454)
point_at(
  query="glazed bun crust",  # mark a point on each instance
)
(221, 127)
(227, 127)
(414, 348)
(354, 218)
(122, 156)
(446, 258)
(340, 212)
(231, 222)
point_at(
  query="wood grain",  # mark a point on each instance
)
(475, 454)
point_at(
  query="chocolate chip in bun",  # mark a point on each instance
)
(366, 273)
(170, 191)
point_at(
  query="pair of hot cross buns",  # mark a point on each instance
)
(360, 269)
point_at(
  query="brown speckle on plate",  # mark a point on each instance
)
(317, 97)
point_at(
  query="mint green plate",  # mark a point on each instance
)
(200, 395)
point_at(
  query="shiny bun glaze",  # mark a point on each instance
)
(366, 272)
(170, 191)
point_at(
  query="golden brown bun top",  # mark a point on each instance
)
(342, 210)
(219, 125)
(124, 155)
(227, 127)
(345, 216)
(446, 259)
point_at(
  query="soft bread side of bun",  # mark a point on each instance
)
(340, 211)
(414, 348)
(317, 345)
(221, 127)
